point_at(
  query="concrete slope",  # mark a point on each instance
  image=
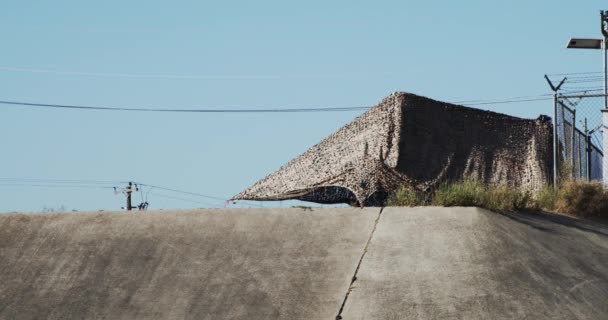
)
(468, 263)
(419, 263)
(202, 264)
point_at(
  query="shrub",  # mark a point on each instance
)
(578, 198)
(465, 193)
(546, 198)
(404, 197)
(502, 197)
(584, 199)
(493, 197)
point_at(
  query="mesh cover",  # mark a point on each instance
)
(413, 141)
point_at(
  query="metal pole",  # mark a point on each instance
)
(605, 114)
(604, 49)
(572, 144)
(561, 167)
(588, 151)
(605, 109)
(555, 159)
(555, 138)
(581, 151)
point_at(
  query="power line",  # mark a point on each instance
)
(508, 101)
(584, 85)
(141, 76)
(582, 88)
(52, 186)
(187, 192)
(221, 77)
(573, 73)
(277, 110)
(586, 77)
(59, 181)
(182, 199)
(193, 76)
(582, 80)
(188, 200)
(110, 184)
(504, 99)
(83, 183)
(274, 110)
(570, 91)
(182, 192)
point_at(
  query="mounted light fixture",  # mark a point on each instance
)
(581, 43)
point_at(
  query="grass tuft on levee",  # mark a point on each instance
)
(405, 197)
(584, 199)
(574, 197)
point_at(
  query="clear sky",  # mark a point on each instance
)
(247, 54)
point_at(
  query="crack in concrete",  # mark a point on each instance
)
(354, 278)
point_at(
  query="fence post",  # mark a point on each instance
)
(555, 159)
(579, 157)
(588, 150)
(605, 109)
(589, 159)
(605, 147)
(555, 145)
(572, 144)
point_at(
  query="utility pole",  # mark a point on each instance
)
(604, 24)
(128, 191)
(585, 43)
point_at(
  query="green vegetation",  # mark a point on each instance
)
(471, 192)
(546, 198)
(579, 198)
(466, 193)
(501, 197)
(405, 197)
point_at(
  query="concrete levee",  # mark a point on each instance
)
(200, 264)
(469, 263)
(394, 263)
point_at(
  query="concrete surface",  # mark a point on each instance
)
(202, 264)
(468, 263)
(418, 263)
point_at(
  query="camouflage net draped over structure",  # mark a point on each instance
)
(413, 141)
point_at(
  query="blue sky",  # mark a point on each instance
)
(246, 54)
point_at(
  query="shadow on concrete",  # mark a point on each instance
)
(545, 221)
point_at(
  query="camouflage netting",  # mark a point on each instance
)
(418, 142)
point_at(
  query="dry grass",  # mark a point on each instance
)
(471, 192)
(405, 197)
(578, 198)
(466, 193)
(584, 199)
(501, 197)
(546, 198)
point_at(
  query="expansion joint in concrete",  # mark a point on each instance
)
(354, 278)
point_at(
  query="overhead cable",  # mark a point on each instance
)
(271, 110)
(274, 110)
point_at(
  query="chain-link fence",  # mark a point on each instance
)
(579, 136)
